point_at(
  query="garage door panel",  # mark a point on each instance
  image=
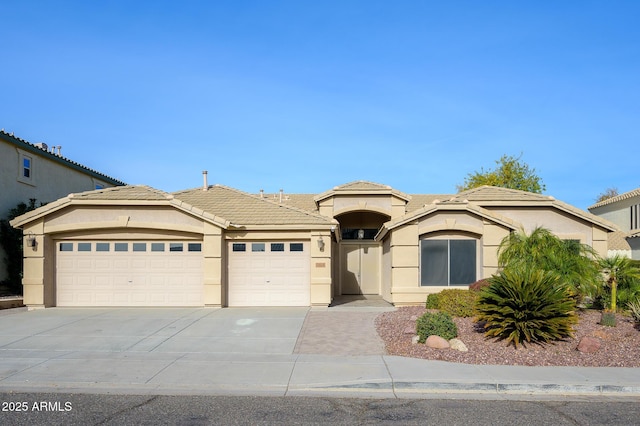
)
(279, 278)
(133, 278)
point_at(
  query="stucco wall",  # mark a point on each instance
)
(618, 213)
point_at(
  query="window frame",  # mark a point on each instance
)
(449, 239)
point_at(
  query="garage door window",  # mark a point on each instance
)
(257, 247)
(175, 247)
(102, 247)
(239, 247)
(66, 246)
(84, 246)
(157, 246)
(277, 247)
(139, 246)
(121, 246)
(194, 247)
(296, 247)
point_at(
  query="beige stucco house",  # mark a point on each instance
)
(218, 246)
(624, 211)
(36, 171)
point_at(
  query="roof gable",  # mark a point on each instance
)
(361, 187)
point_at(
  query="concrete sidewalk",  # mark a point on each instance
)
(250, 351)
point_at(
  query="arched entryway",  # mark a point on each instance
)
(360, 255)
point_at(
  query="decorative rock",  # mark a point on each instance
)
(437, 342)
(414, 340)
(414, 318)
(410, 330)
(589, 344)
(458, 345)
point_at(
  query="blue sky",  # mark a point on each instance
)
(304, 96)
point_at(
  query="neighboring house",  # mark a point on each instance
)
(218, 246)
(624, 211)
(35, 171)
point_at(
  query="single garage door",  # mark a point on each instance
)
(129, 273)
(269, 273)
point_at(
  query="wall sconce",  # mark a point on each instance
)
(360, 234)
(320, 243)
(31, 239)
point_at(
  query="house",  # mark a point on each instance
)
(624, 211)
(218, 246)
(36, 171)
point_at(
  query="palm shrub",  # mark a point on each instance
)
(526, 305)
(437, 323)
(620, 271)
(573, 263)
(634, 307)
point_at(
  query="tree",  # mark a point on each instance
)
(608, 193)
(510, 173)
(573, 263)
(11, 242)
(618, 270)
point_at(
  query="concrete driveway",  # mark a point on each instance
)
(184, 330)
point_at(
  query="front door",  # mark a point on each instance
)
(360, 268)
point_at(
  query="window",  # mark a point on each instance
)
(257, 247)
(635, 217)
(277, 247)
(102, 246)
(239, 247)
(296, 247)
(84, 246)
(359, 234)
(26, 167)
(447, 262)
(121, 247)
(139, 246)
(194, 246)
(176, 247)
(157, 246)
(66, 246)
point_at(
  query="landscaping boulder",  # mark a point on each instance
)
(589, 344)
(415, 340)
(437, 342)
(458, 345)
(410, 330)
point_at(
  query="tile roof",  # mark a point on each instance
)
(129, 192)
(625, 196)
(493, 193)
(42, 151)
(617, 241)
(242, 208)
(362, 185)
(420, 200)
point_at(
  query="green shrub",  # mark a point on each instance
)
(634, 308)
(433, 301)
(526, 305)
(438, 323)
(455, 302)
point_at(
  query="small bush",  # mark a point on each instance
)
(523, 304)
(479, 285)
(433, 301)
(455, 302)
(438, 323)
(634, 308)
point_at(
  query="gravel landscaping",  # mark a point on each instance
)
(620, 345)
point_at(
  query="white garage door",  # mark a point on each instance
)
(269, 274)
(129, 273)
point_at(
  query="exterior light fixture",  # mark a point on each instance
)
(320, 243)
(360, 234)
(31, 239)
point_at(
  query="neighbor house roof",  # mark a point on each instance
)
(41, 150)
(621, 197)
(617, 241)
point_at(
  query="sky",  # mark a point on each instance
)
(306, 95)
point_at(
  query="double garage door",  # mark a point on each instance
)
(268, 273)
(129, 273)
